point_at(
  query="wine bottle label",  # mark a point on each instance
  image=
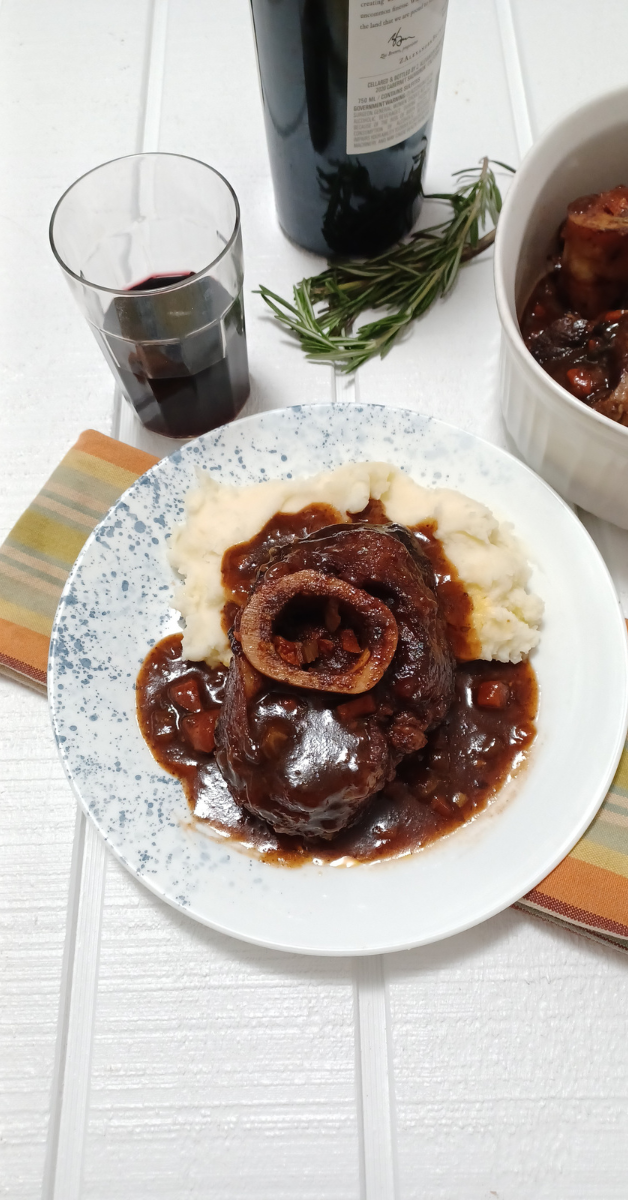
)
(395, 49)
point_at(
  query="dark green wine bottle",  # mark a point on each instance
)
(348, 89)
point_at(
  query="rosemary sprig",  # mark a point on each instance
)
(405, 280)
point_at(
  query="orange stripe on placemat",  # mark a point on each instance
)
(30, 650)
(536, 903)
(577, 886)
(121, 455)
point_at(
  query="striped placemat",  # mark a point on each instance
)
(37, 556)
(587, 892)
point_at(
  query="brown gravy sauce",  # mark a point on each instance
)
(465, 763)
(587, 358)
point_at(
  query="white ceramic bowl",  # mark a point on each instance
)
(581, 453)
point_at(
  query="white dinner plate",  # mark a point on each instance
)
(115, 606)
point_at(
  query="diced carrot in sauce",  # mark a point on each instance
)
(198, 730)
(163, 725)
(185, 693)
(492, 694)
(349, 641)
(356, 708)
(325, 647)
(581, 381)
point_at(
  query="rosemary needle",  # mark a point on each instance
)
(405, 281)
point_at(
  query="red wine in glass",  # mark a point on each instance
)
(180, 383)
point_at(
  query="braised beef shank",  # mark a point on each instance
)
(308, 759)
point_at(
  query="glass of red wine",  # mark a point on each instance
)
(151, 247)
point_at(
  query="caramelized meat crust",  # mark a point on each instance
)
(388, 563)
(293, 754)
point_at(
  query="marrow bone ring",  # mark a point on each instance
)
(262, 645)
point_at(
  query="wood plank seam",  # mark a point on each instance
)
(67, 969)
(150, 120)
(374, 1082)
(81, 992)
(333, 381)
(345, 387)
(514, 76)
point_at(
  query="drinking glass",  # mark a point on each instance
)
(151, 247)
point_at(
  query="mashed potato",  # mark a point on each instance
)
(489, 559)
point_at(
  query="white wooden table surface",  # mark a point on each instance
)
(143, 1056)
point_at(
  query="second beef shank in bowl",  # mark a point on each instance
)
(564, 404)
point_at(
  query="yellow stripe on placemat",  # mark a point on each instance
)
(37, 556)
(18, 614)
(621, 775)
(69, 483)
(597, 855)
(99, 468)
(38, 531)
